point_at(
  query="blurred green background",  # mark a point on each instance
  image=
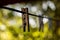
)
(11, 27)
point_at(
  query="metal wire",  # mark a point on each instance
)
(28, 13)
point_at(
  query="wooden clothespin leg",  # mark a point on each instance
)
(41, 25)
(25, 19)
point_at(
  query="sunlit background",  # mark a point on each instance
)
(11, 27)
